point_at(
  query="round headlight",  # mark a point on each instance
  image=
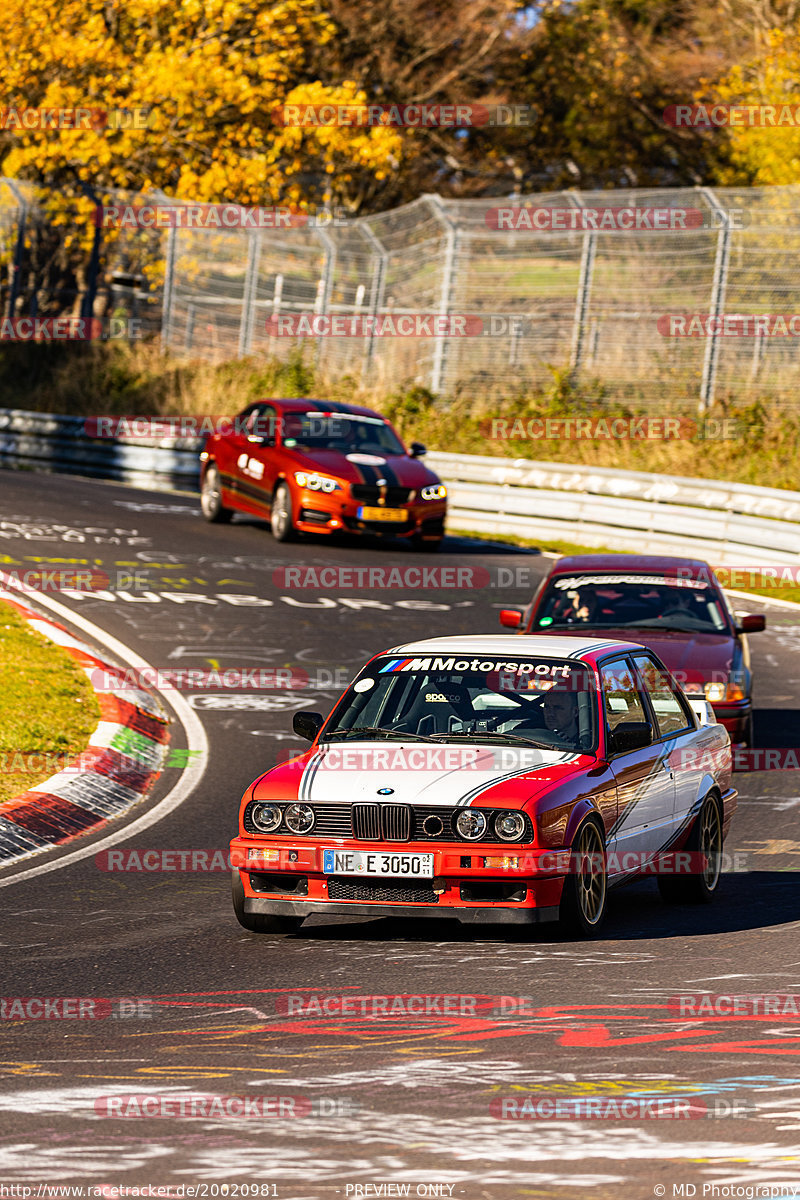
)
(509, 826)
(299, 818)
(471, 824)
(266, 817)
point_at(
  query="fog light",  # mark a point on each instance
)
(505, 863)
(439, 886)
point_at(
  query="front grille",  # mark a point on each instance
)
(390, 822)
(366, 493)
(391, 891)
(367, 822)
(396, 822)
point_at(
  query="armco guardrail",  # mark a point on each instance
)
(594, 506)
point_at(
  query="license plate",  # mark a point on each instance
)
(382, 514)
(359, 862)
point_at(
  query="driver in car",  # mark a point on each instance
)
(560, 711)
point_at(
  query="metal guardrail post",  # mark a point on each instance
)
(585, 276)
(169, 286)
(445, 295)
(249, 293)
(19, 249)
(378, 288)
(718, 291)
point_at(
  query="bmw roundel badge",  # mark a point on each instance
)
(385, 791)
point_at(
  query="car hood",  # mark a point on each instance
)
(418, 773)
(697, 656)
(398, 471)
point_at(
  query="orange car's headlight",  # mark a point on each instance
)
(315, 482)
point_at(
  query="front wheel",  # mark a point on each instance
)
(280, 518)
(259, 922)
(583, 900)
(211, 498)
(704, 845)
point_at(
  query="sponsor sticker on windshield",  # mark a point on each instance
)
(486, 666)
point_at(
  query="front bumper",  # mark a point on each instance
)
(293, 883)
(335, 512)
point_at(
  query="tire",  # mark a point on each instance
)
(211, 498)
(747, 740)
(583, 900)
(259, 922)
(705, 838)
(280, 517)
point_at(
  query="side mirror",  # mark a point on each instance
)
(511, 618)
(752, 623)
(418, 450)
(630, 735)
(307, 724)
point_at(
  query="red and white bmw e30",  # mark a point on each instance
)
(489, 781)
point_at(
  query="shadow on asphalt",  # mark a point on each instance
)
(776, 727)
(752, 900)
(450, 545)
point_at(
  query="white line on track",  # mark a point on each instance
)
(195, 738)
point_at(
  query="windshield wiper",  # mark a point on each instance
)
(494, 733)
(361, 730)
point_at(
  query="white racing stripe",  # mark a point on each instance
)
(342, 772)
(196, 740)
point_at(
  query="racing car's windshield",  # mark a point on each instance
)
(632, 601)
(546, 703)
(347, 432)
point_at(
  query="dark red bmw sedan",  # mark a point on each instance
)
(673, 605)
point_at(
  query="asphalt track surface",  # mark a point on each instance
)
(401, 1100)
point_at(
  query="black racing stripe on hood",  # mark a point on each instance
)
(368, 473)
(390, 476)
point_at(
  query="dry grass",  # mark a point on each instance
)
(134, 379)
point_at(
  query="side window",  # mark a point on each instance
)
(261, 424)
(671, 716)
(621, 698)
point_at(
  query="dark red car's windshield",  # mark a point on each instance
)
(346, 432)
(632, 601)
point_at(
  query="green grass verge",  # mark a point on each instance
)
(49, 707)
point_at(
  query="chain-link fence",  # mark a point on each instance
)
(583, 298)
(572, 282)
